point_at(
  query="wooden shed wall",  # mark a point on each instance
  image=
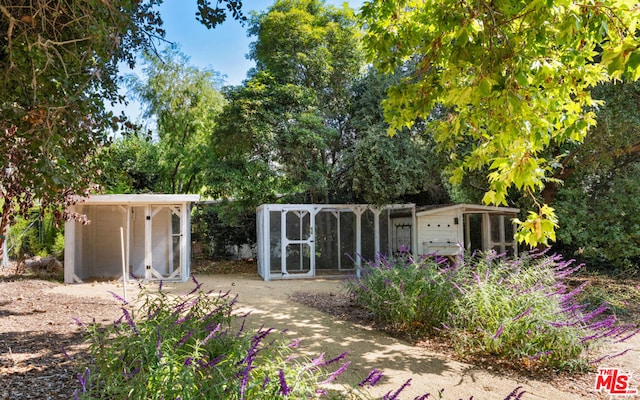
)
(439, 233)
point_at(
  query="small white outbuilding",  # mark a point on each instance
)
(147, 235)
(452, 229)
(308, 240)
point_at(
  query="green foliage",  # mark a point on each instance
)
(168, 346)
(60, 63)
(406, 293)
(129, 164)
(288, 121)
(219, 226)
(597, 204)
(185, 102)
(383, 169)
(37, 235)
(522, 310)
(600, 218)
(509, 94)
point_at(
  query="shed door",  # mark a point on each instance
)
(155, 242)
(162, 243)
(298, 239)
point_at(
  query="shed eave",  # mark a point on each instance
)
(106, 199)
(468, 208)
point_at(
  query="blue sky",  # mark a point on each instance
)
(224, 48)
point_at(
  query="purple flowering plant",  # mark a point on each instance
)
(523, 310)
(194, 346)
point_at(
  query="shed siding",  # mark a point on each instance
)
(438, 233)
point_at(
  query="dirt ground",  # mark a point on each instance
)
(37, 329)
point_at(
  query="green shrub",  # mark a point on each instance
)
(35, 236)
(169, 347)
(406, 293)
(520, 310)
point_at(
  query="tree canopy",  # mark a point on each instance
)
(60, 65)
(183, 101)
(515, 76)
(291, 113)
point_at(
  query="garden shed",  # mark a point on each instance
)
(153, 229)
(450, 230)
(307, 240)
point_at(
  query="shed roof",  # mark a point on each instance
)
(465, 208)
(138, 199)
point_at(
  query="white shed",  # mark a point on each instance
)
(307, 240)
(449, 230)
(156, 233)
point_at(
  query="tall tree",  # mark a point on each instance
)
(597, 203)
(59, 63)
(129, 164)
(515, 74)
(381, 169)
(184, 102)
(307, 55)
(60, 66)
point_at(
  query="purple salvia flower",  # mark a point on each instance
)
(603, 307)
(476, 277)
(195, 289)
(284, 388)
(117, 297)
(75, 394)
(573, 293)
(153, 314)
(336, 359)
(572, 308)
(608, 356)
(265, 382)
(294, 343)
(130, 322)
(423, 397)
(371, 379)
(78, 322)
(82, 379)
(336, 373)
(316, 362)
(499, 332)
(211, 363)
(523, 314)
(159, 344)
(160, 286)
(635, 332)
(241, 328)
(185, 338)
(66, 355)
(515, 394)
(188, 361)
(394, 395)
(603, 324)
(131, 374)
(245, 380)
(211, 333)
(455, 285)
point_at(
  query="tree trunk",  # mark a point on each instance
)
(549, 192)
